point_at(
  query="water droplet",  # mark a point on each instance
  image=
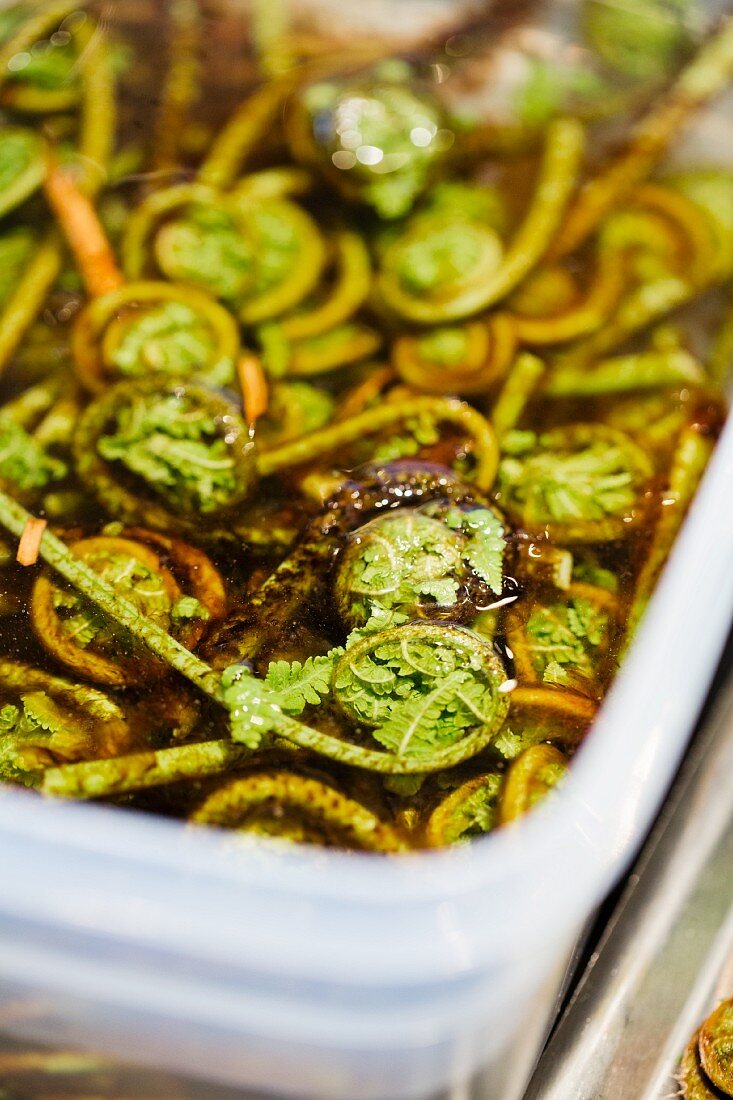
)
(369, 154)
(19, 61)
(343, 159)
(420, 136)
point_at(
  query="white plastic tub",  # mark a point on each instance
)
(320, 974)
(316, 973)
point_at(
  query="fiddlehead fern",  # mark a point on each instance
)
(137, 328)
(86, 641)
(470, 423)
(438, 268)
(421, 688)
(151, 327)
(46, 720)
(471, 810)
(164, 455)
(463, 359)
(584, 483)
(565, 641)
(260, 255)
(445, 268)
(35, 733)
(136, 771)
(296, 807)
(295, 410)
(411, 564)
(550, 310)
(376, 138)
(290, 254)
(301, 577)
(44, 79)
(204, 247)
(714, 1045)
(694, 1082)
(529, 779)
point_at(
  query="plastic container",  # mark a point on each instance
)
(313, 973)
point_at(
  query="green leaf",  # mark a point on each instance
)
(41, 713)
(31, 733)
(484, 550)
(380, 619)
(477, 813)
(586, 622)
(590, 573)
(556, 675)
(404, 562)
(23, 463)
(577, 475)
(508, 743)
(404, 785)
(175, 446)
(81, 621)
(562, 635)
(253, 713)
(417, 725)
(188, 607)
(296, 684)
(84, 623)
(423, 433)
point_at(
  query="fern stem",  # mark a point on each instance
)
(139, 770)
(340, 434)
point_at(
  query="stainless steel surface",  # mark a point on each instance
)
(666, 957)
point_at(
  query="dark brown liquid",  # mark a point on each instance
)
(169, 711)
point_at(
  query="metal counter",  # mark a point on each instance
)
(665, 959)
